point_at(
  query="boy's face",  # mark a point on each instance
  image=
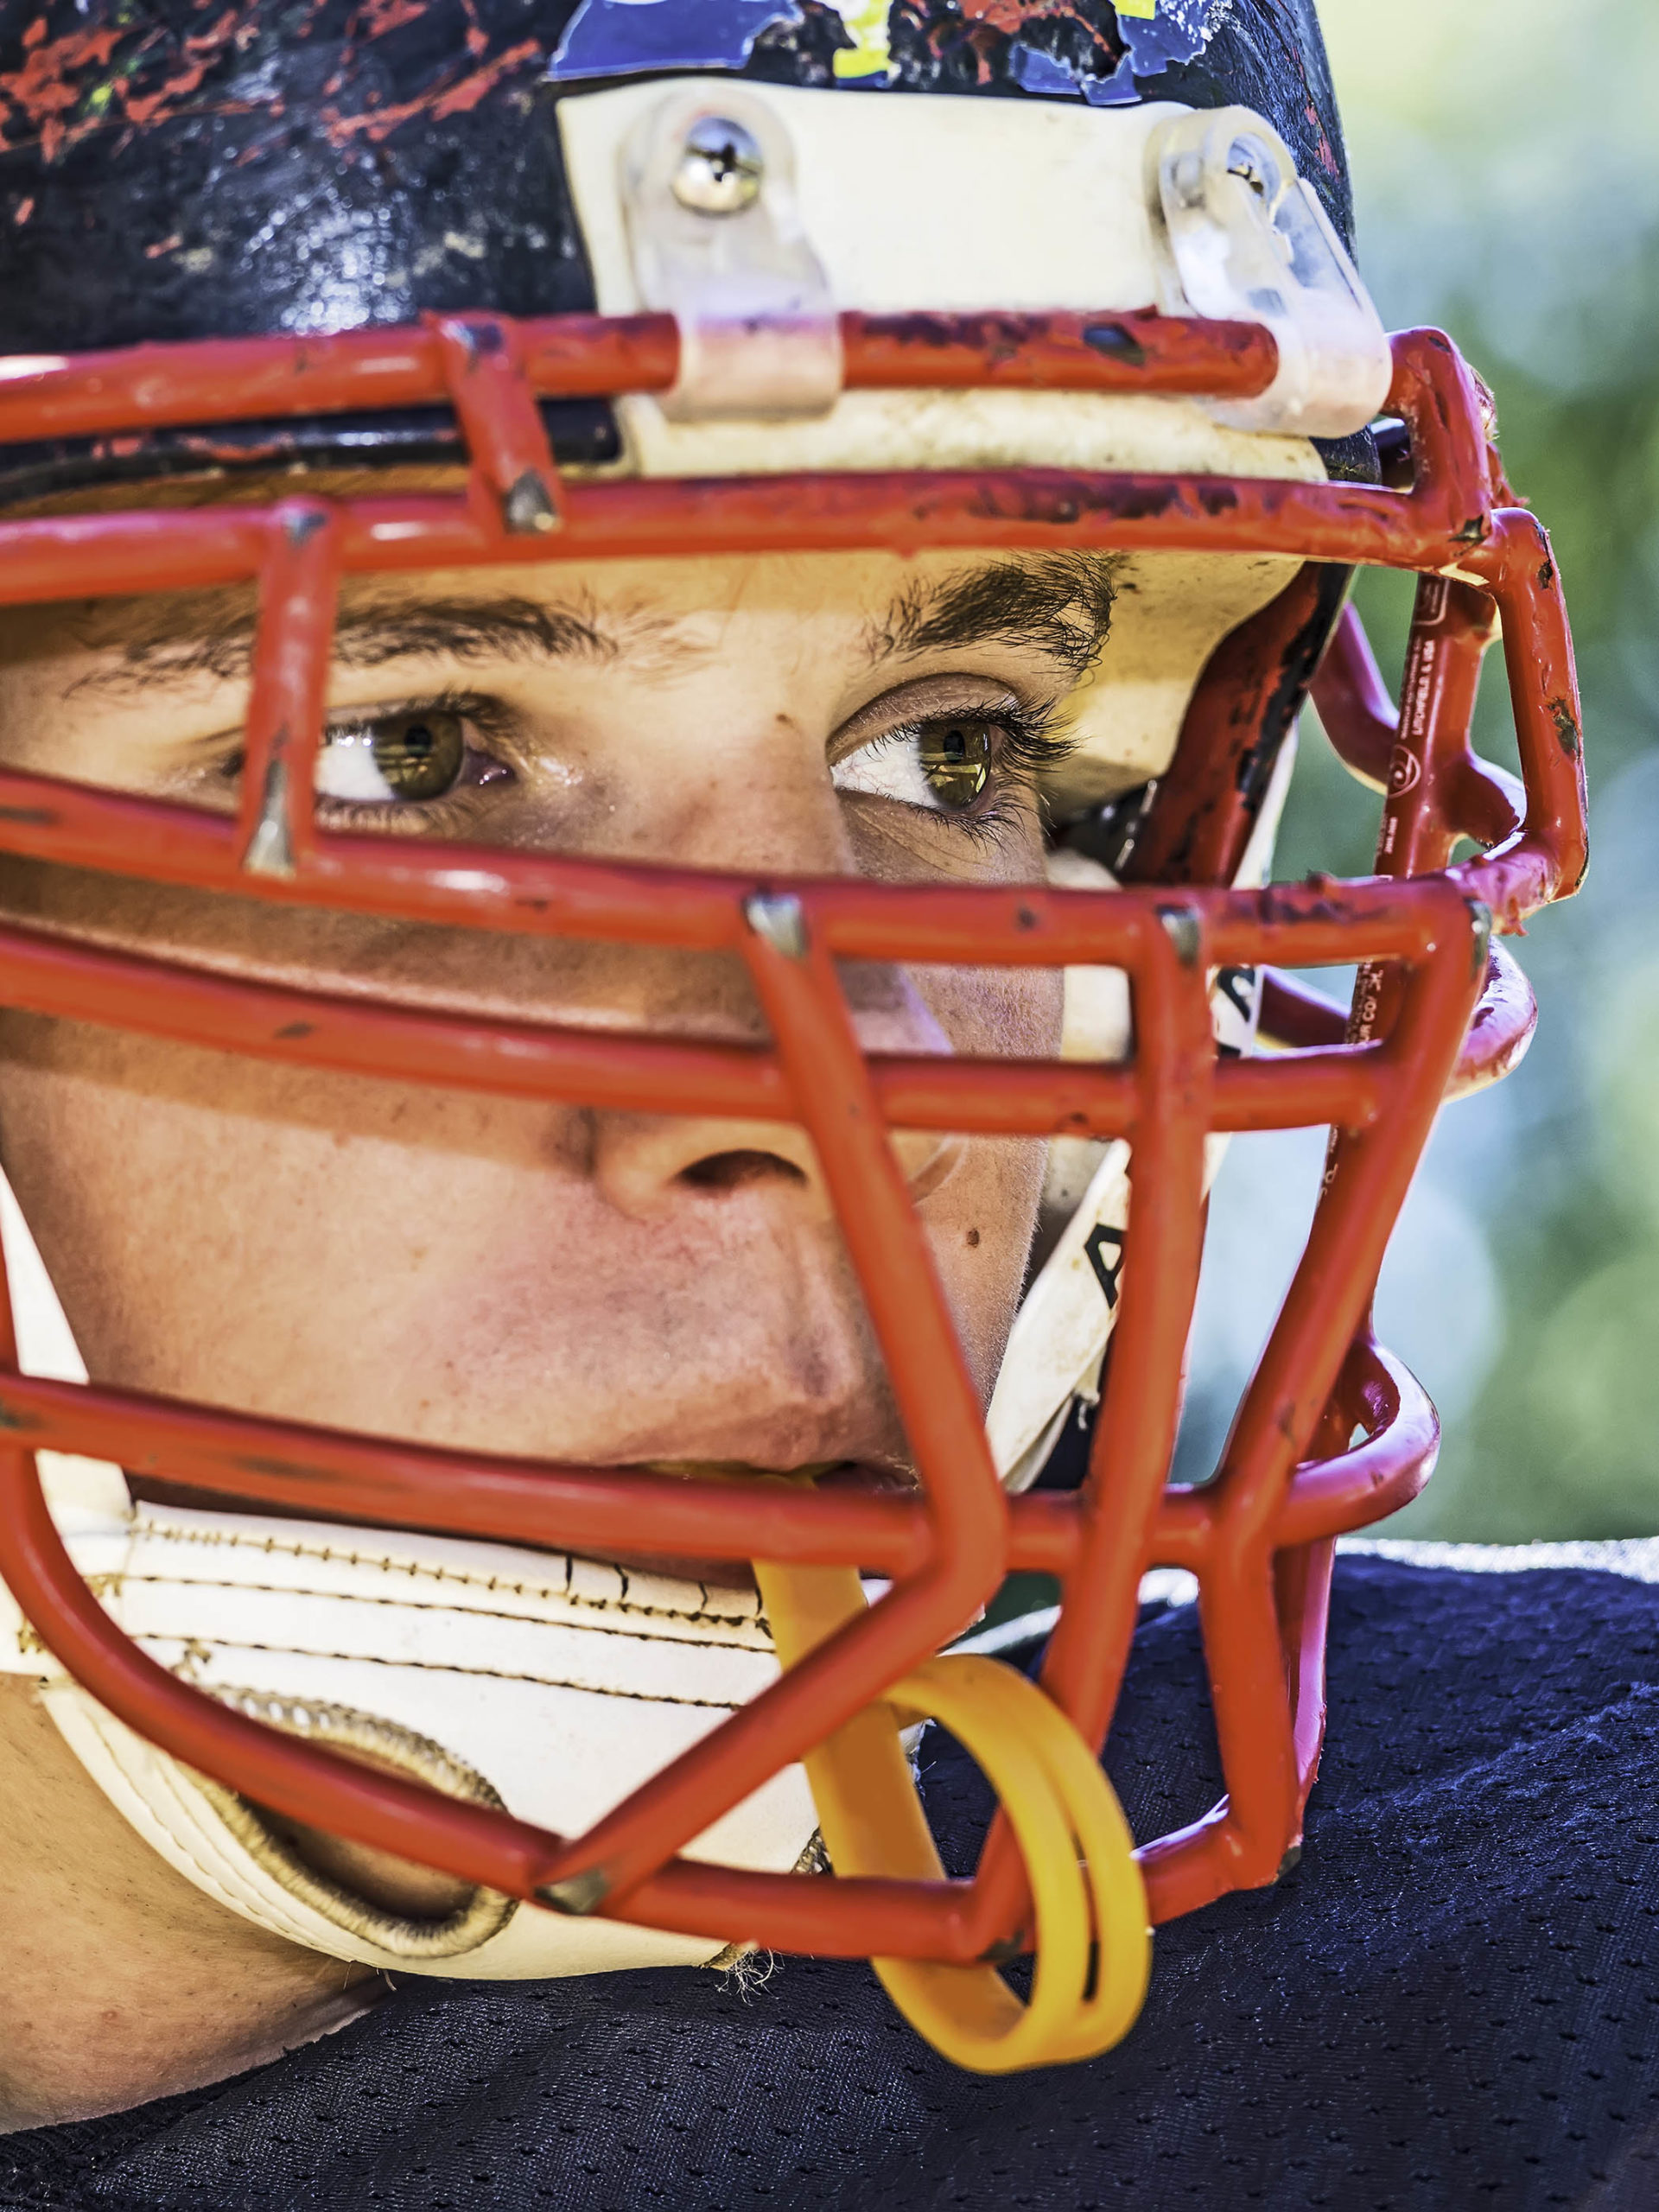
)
(501, 1274)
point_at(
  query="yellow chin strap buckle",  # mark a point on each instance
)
(1093, 1945)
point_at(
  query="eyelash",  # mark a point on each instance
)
(484, 717)
(1030, 748)
(1029, 751)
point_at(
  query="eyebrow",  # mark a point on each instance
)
(1059, 603)
(188, 639)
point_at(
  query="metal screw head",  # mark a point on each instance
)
(777, 916)
(1184, 930)
(720, 168)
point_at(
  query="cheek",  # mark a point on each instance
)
(982, 1219)
(996, 1013)
(211, 1225)
(424, 1264)
(218, 1227)
(980, 1226)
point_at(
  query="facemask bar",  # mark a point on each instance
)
(1259, 1540)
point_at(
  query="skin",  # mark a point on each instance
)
(390, 1258)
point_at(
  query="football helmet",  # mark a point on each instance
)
(666, 277)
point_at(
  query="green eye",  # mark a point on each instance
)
(957, 758)
(420, 755)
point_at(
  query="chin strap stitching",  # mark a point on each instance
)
(233, 1538)
(760, 1647)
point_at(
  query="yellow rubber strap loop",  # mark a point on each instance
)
(1092, 1943)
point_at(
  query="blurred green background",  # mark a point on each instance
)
(1506, 163)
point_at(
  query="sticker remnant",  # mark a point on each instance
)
(1064, 49)
(621, 38)
(1035, 70)
(865, 24)
(1150, 37)
(1160, 33)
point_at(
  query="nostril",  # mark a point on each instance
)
(643, 1163)
(735, 1170)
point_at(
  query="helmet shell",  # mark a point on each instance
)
(173, 171)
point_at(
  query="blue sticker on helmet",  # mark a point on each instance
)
(1050, 76)
(1034, 71)
(621, 38)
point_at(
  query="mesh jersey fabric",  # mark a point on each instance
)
(1453, 2001)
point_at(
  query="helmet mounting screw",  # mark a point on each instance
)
(777, 917)
(720, 168)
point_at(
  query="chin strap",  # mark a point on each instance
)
(552, 1685)
(1059, 1336)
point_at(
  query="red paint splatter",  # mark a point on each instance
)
(205, 49)
(456, 98)
(42, 87)
(143, 108)
(43, 91)
(135, 76)
(73, 72)
(376, 17)
(1324, 151)
(1010, 15)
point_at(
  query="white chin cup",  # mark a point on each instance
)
(552, 1685)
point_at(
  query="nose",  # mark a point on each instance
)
(768, 807)
(651, 1165)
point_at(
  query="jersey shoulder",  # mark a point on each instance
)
(1451, 2000)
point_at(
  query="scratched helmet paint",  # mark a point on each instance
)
(753, 275)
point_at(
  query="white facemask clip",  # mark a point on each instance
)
(1245, 239)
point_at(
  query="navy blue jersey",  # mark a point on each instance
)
(1453, 2001)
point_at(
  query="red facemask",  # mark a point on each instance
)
(1332, 1433)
